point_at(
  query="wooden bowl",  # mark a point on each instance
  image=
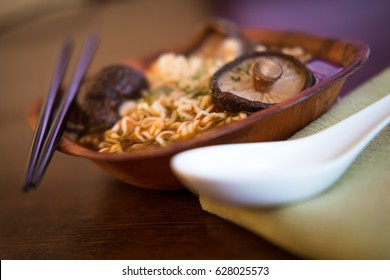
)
(150, 168)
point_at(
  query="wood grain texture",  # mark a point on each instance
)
(106, 219)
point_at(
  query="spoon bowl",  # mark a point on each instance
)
(275, 173)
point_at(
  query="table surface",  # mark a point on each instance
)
(79, 211)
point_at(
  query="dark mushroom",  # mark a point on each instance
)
(258, 80)
(210, 39)
(99, 98)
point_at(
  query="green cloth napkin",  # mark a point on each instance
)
(349, 221)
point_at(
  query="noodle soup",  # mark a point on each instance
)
(150, 167)
(177, 104)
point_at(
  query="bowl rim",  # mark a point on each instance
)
(68, 146)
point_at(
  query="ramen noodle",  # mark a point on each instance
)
(176, 106)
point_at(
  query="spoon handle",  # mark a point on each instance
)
(355, 132)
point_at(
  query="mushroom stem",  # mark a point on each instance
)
(265, 73)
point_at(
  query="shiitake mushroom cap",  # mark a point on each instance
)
(214, 31)
(231, 102)
(96, 107)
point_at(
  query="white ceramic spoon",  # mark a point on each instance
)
(274, 173)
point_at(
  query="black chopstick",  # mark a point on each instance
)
(46, 113)
(55, 129)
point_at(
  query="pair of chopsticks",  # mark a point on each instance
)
(52, 118)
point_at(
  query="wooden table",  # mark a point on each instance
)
(79, 211)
